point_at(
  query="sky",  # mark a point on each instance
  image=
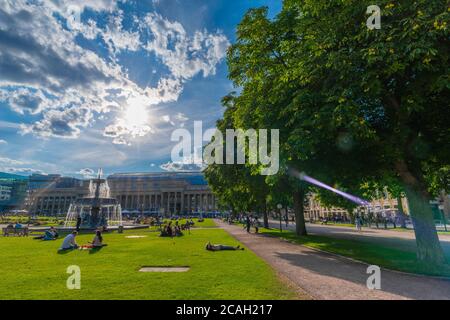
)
(90, 84)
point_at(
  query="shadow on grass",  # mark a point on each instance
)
(404, 285)
(401, 257)
(65, 251)
(95, 250)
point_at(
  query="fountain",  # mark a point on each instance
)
(97, 211)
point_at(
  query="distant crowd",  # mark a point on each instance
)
(176, 229)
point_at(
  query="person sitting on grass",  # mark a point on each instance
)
(98, 240)
(69, 242)
(169, 230)
(96, 243)
(221, 247)
(177, 231)
(166, 231)
(186, 226)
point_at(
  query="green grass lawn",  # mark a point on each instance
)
(350, 225)
(206, 223)
(337, 224)
(32, 269)
(412, 231)
(402, 259)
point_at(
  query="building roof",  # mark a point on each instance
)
(194, 178)
(9, 176)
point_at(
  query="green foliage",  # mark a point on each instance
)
(357, 108)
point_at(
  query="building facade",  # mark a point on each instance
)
(385, 205)
(5, 193)
(162, 193)
(13, 192)
(53, 194)
(314, 210)
(137, 193)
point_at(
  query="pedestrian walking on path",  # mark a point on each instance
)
(358, 223)
(248, 224)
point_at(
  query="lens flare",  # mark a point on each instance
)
(302, 176)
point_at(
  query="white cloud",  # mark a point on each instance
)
(188, 163)
(179, 167)
(166, 119)
(23, 171)
(10, 162)
(61, 123)
(3, 141)
(46, 73)
(87, 173)
(118, 39)
(185, 56)
(181, 117)
(97, 5)
(17, 166)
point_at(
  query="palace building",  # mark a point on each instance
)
(53, 194)
(165, 193)
(137, 193)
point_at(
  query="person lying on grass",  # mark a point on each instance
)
(96, 243)
(220, 247)
(49, 235)
(69, 242)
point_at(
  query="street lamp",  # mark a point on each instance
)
(280, 206)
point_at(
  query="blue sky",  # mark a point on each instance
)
(89, 84)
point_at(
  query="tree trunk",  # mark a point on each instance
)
(266, 216)
(429, 249)
(401, 212)
(299, 200)
(445, 203)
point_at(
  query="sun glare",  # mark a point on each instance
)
(136, 116)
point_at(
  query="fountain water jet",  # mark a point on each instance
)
(98, 210)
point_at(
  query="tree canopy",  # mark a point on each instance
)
(355, 107)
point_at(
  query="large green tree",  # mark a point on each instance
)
(353, 104)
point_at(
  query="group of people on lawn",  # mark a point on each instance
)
(69, 242)
(176, 230)
(170, 230)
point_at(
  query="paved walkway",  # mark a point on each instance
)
(327, 276)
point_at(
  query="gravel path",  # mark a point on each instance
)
(327, 276)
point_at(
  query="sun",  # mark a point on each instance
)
(135, 116)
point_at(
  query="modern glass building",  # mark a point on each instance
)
(13, 192)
